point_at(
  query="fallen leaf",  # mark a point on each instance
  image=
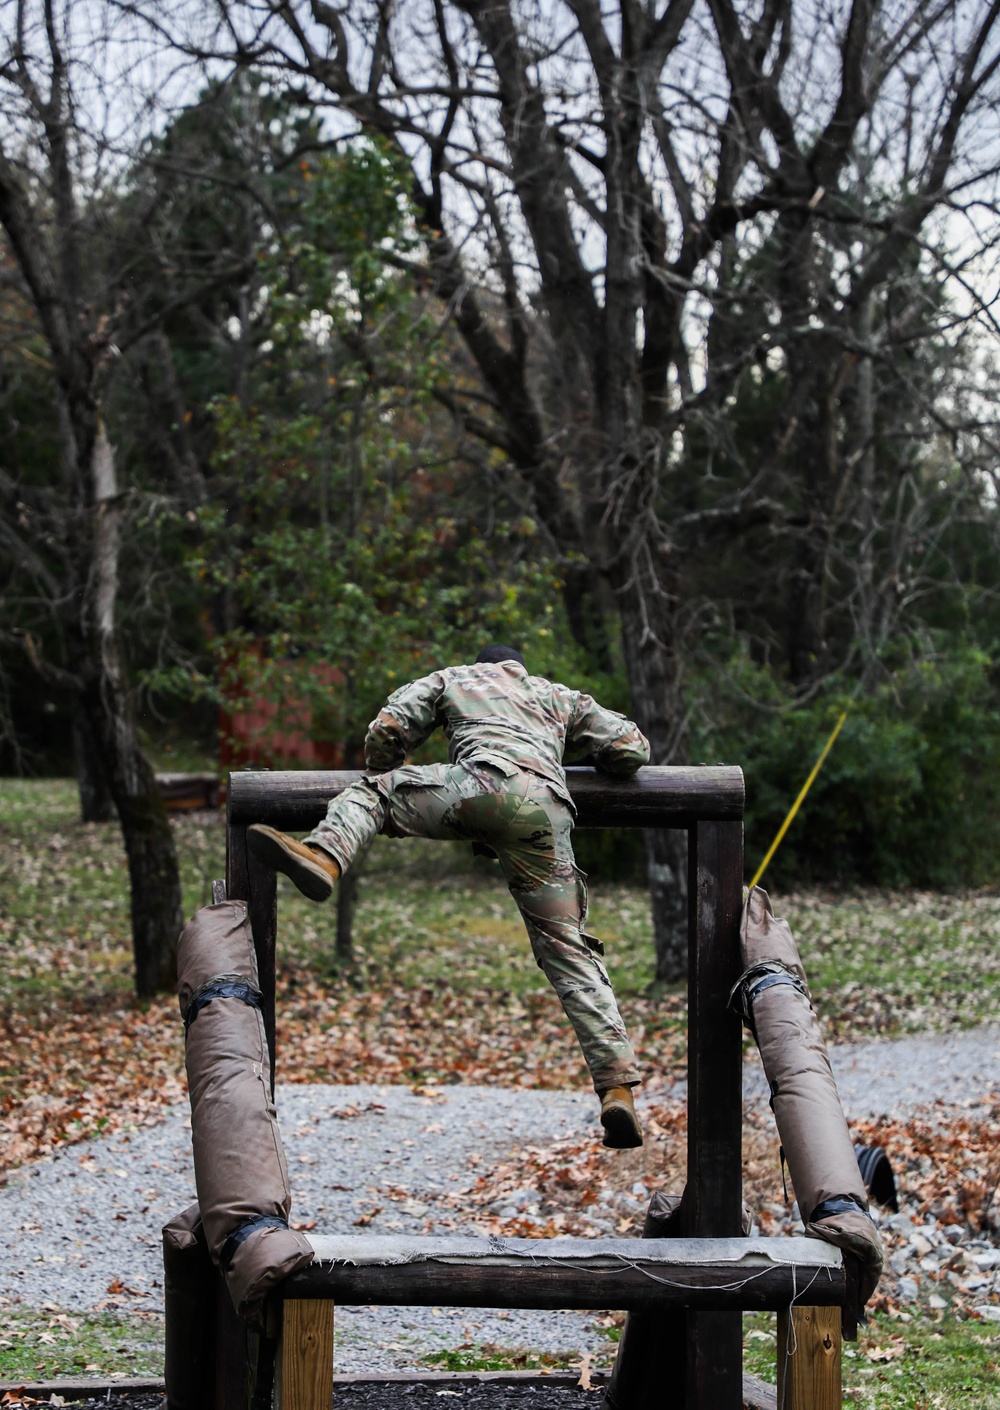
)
(367, 1218)
(584, 1383)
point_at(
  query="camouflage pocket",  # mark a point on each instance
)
(595, 946)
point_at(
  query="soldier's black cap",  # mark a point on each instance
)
(493, 655)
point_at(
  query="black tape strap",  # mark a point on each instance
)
(837, 1204)
(222, 989)
(243, 1231)
(757, 980)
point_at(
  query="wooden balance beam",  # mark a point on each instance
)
(385, 1270)
(706, 1275)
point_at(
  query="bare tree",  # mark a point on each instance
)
(591, 182)
(70, 100)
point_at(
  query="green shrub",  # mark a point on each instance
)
(910, 793)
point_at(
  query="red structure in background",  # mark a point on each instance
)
(249, 733)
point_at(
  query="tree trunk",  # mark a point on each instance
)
(156, 910)
(96, 803)
(654, 678)
(105, 701)
(666, 873)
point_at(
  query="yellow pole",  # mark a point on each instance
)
(798, 802)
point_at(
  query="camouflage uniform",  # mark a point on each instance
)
(504, 786)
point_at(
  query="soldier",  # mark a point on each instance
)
(504, 787)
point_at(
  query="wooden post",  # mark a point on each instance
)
(232, 1376)
(714, 1194)
(189, 1285)
(809, 1364)
(247, 880)
(304, 1379)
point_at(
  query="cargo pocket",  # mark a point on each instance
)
(595, 946)
(418, 797)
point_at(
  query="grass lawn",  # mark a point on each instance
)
(919, 1366)
(443, 982)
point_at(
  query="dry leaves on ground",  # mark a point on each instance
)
(69, 1075)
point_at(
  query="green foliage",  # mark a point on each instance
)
(348, 545)
(910, 794)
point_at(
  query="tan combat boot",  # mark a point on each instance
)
(311, 869)
(621, 1125)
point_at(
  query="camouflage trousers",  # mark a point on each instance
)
(528, 828)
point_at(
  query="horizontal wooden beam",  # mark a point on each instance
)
(654, 797)
(707, 1274)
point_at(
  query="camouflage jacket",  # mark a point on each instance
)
(499, 714)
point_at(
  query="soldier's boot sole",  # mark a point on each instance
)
(311, 871)
(621, 1125)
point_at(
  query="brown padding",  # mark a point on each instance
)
(636, 1381)
(239, 1163)
(810, 1119)
(216, 942)
(763, 936)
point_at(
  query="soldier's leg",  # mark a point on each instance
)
(316, 863)
(551, 894)
(432, 800)
(352, 820)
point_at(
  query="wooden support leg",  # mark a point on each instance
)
(232, 1372)
(304, 1379)
(713, 1199)
(809, 1366)
(248, 880)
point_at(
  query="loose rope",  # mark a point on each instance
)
(798, 802)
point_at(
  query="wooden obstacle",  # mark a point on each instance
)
(699, 1283)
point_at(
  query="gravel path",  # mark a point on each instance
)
(895, 1076)
(91, 1214)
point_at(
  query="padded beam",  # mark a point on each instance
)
(708, 1274)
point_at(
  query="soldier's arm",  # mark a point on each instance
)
(406, 719)
(618, 746)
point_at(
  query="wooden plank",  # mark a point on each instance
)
(758, 1394)
(304, 1379)
(654, 797)
(809, 1359)
(708, 1288)
(714, 1193)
